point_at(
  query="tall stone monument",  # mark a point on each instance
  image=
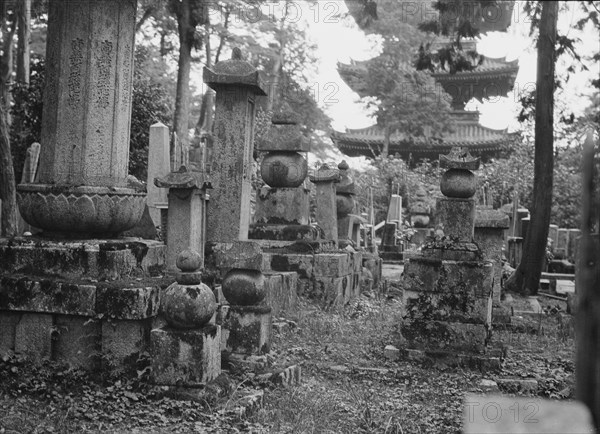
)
(78, 277)
(237, 84)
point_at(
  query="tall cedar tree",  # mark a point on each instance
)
(526, 277)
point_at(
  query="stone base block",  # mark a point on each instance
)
(8, 328)
(185, 357)
(248, 329)
(92, 259)
(282, 292)
(284, 232)
(442, 335)
(282, 206)
(77, 341)
(457, 217)
(311, 265)
(33, 336)
(333, 291)
(123, 341)
(480, 362)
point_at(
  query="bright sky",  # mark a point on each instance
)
(340, 40)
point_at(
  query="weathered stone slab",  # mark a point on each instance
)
(553, 235)
(137, 302)
(333, 264)
(33, 335)
(457, 217)
(77, 341)
(249, 329)
(495, 414)
(51, 296)
(8, 328)
(282, 293)
(302, 233)
(303, 264)
(491, 241)
(282, 206)
(246, 255)
(185, 357)
(333, 291)
(123, 341)
(93, 259)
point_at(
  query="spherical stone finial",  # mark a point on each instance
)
(343, 165)
(188, 306)
(188, 261)
(236, 53)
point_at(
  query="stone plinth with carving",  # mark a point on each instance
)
(187, 351)
(237, 84)
(83, 184)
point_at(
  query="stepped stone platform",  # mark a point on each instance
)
(90, 303)
(332, 277)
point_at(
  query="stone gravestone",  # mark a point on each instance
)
(237, 84)
(29, 173)
(324, 178)
(158, 166)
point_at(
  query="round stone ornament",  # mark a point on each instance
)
(244, 287)
(459, 183)
(284, 169)
(188, 306)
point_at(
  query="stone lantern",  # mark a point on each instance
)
(187, 352)
(83, 186)
(348, 223)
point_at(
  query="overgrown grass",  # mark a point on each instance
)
(348, 386)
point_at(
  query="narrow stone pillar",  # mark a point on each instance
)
(324, 179)
(186, 219)
(344, 203)
(83, 184)
(158, 166)
(236, 83)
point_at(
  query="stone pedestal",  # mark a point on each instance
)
(456, 217)
(236, 84)
(248, 329)
(490, 227)
(282, 206)
(186, 352)
(448, 287)
(186, 218)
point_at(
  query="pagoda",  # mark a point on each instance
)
(491, 78)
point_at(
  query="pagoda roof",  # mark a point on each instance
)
(467, 132)
(490, 68)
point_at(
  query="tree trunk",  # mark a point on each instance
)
(24, 36)
(587, 365)
(526, 278)
(206, 105)
(182, 98)
(8, 224)
(6, 60)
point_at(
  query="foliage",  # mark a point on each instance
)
(391, 175)
(26, 114)
(151, 103)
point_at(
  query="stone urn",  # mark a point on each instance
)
(282, 169)
(244, 287)
(188, 303)
(459, 183)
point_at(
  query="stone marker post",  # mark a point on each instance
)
(347, 223)
(186, 221)
(237, 84)
(158, 166)
(324, 178)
